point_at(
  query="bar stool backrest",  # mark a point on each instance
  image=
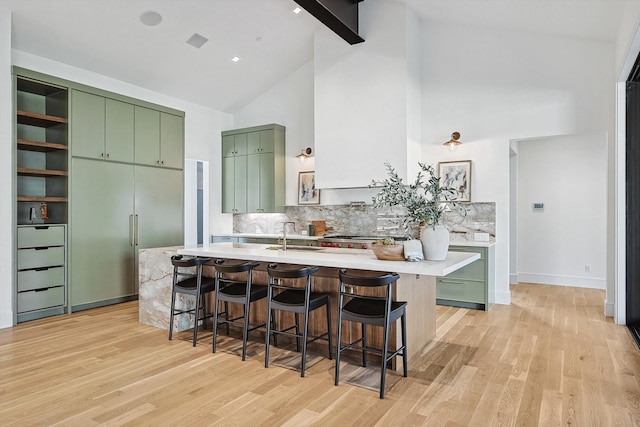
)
(280, 272)
(373, 281)
(234, 268)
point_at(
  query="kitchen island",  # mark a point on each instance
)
(417, 284)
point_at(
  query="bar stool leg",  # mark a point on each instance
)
(270, 318)
(304, 340)
(405, 356)
(364, 344)
(339, 338)
(297, 317)
(329, 327)
(173, 304)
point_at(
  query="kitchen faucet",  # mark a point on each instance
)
(284, 233)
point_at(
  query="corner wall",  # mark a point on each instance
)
(6, 176)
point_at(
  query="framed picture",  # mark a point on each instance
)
(308, 194)
(457, 175)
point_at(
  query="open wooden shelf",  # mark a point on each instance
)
(41, 172)
(48, 199)
(45, 147)
(36, 119)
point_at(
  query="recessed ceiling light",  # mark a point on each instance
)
(297, 10)
(196, 40)
(150, 18)
(235, 59)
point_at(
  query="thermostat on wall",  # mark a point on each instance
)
(538, 207)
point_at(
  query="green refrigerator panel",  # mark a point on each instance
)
(102, 231)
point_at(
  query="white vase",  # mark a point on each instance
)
(435, 243)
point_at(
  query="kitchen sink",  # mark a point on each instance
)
(296, 248)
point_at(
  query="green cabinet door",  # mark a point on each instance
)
(234, 184)
(260, 142)
(87, 125)
(260, 182)
(147, 136)
(159, 207)
(228, 184)
(119, 131)
(102, 252)
(171, 141)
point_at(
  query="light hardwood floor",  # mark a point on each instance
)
(549, 359)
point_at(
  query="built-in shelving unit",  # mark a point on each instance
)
(42, 190)
(42, 152)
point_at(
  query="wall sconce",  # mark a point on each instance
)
(453, 143)
(305, 154)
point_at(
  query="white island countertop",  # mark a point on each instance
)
(361, 259)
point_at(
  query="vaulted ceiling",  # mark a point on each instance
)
(107, 37)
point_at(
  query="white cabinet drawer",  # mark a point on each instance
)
(40, 299)
(40, 257)
(40, 278)
(40, 236)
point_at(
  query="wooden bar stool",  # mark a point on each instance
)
(371, 310)
(185, 281)
(298, 300)
(242, 292)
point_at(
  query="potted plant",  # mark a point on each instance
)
(423, 203)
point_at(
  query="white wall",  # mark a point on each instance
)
(569, 175)
(6, 173)
(362, 98)
(202, 132)
(495, 86)
(290, 104)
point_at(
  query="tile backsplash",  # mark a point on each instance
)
(365, 220)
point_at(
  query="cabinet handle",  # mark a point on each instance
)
(108, 155)
(454, 282)
(41, 227)
(137, 230)
(162, 162)
(101, 154)
(42, 269)
(131, 230)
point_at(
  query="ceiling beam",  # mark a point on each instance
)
(340, 16)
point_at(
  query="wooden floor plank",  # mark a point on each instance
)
(549, 358)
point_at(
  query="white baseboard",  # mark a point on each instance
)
(609, 309)
(513, 279)
(573, 281)
(502, 298)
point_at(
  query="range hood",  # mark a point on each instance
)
(340, 16)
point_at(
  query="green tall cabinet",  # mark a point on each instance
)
(98, 176)
(126, 192)
(253, 169)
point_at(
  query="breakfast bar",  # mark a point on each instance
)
(417, 283)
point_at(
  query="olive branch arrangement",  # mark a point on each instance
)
(425, 200)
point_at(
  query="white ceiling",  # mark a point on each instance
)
(106, 37)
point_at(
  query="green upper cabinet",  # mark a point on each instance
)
(234, 145)
(147, 136)
(261, 183)
(119, 130)
(87, 125)
(101, 128)
(158, 138)
(234, 184)
(253, 169)
(171, 141)
(260, 142)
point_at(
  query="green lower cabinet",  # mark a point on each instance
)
(469, 286)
